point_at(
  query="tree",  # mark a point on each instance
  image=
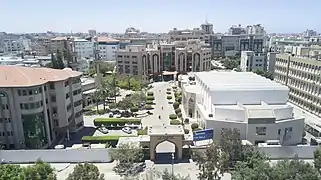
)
(127, 155)
(86, 171)
(59, 62)
(317, 159)
(230, 64)
(166, 175)
(96, 96)
(213, 163)
(39, 171)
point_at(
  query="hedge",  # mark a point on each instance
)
(102, 139)
(150, 98)
(149, 107)
(197, 129)
(175, 122)
(194, 126)
(178, 110)
(134, 109)
(142, 132)
(169, 89)
(179, 115)
(115, 121)
(186, 131)
(168, 92)
(175, 105)
(172, 116)
(169, 97)
(149, 102)
(174, 87)
(150, 94)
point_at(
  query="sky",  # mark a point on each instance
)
(277, 16)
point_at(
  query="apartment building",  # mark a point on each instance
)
(38, 106)
(13, 45)
(252, 104)
(303, 77)
(107, 48)
(256, 29)
(180, 56)
(84, 48)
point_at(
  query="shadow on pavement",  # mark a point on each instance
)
(166, 158)
(75, 138)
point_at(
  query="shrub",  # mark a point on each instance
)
(179, 99)
(149, 107)
(175, 105)
(150, 94)
(101, 139)
(186, 131)
(150, 98)
(115, 121)
(168, 92)
(178, 110)
(186, 120)
(179, 115)
(175, 122)
(149, 102)
(169, 89)
(174, 87)
(194, 126)
(172, 116)
(134, 109)
(142, 131)
(90, 113)
(197, 129)
(169, 97)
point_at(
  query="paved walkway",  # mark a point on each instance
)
(160, 95)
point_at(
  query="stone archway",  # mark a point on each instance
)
(177, 140)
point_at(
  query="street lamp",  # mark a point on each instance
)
(173, 165)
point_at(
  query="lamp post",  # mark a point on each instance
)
(173, 165)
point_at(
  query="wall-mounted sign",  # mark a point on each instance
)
(203, 135)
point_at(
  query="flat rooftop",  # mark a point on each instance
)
(165, 130)
(226, 81)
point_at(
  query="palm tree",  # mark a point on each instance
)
(96, 96)
(105, 91)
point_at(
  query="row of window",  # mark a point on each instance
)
(28, 106)
(261, 131)
(75, 92)
(78, 103)
(29, 92)
(9, 133)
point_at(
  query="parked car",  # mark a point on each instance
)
(127, 130)
(103, 129)
(111, 115)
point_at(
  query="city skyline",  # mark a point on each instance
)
(161, 16)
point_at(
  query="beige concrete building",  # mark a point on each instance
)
(151, 62)
(303, 77)
(38, 106)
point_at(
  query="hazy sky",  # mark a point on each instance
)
(156, 15)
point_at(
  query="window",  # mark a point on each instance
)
(66, 83)
(53, 98)
(261, 131)
(52, 86)
(24, 92)
(67, 95)
(56, 123)
(26, 106)
(69, 107)
(19, 92)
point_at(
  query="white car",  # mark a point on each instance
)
(127, 130)
(103, 129)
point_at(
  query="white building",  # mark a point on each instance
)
(251, 61)
(38, 106)
(84, 48)
(257, 29)
(254, 105)
(107, 47)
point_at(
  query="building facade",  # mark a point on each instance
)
(182, 57)
(252, 104)
(107, 48)
(84, 48)
(251, 61)
(303, 77)
(38, 106)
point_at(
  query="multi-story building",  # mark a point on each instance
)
(92, 32)
(84, 48)
(180, 56)
(186, 34)
(257, 29)
(251, 61)
(303, 77)
(236, 30)
(38, 106)
(107, 48)
(13, 45)
(252, 104)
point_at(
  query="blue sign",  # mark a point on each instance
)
(203, 135)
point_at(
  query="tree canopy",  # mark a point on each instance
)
(265, 74)
(39, 171)
(86, 171)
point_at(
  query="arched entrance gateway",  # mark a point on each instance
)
(170, 133)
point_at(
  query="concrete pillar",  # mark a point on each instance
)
(45, 113)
